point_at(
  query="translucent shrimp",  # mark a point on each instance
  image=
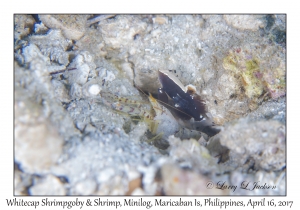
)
(133, 108)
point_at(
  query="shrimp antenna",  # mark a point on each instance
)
(62, 71)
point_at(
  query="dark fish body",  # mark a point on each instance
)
(186, 105)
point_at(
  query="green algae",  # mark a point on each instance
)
(252, 65)
(253, 86)
(253, 79)
(248, 69)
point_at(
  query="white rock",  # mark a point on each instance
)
(83, 64)
(138, 192)
(109, 76)
(37, 143)
(244, 22)
(94, 89)
(72, 26)
(50, 185)
(127, 68)
(85, 187)
(75, 91)
(105, 175)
